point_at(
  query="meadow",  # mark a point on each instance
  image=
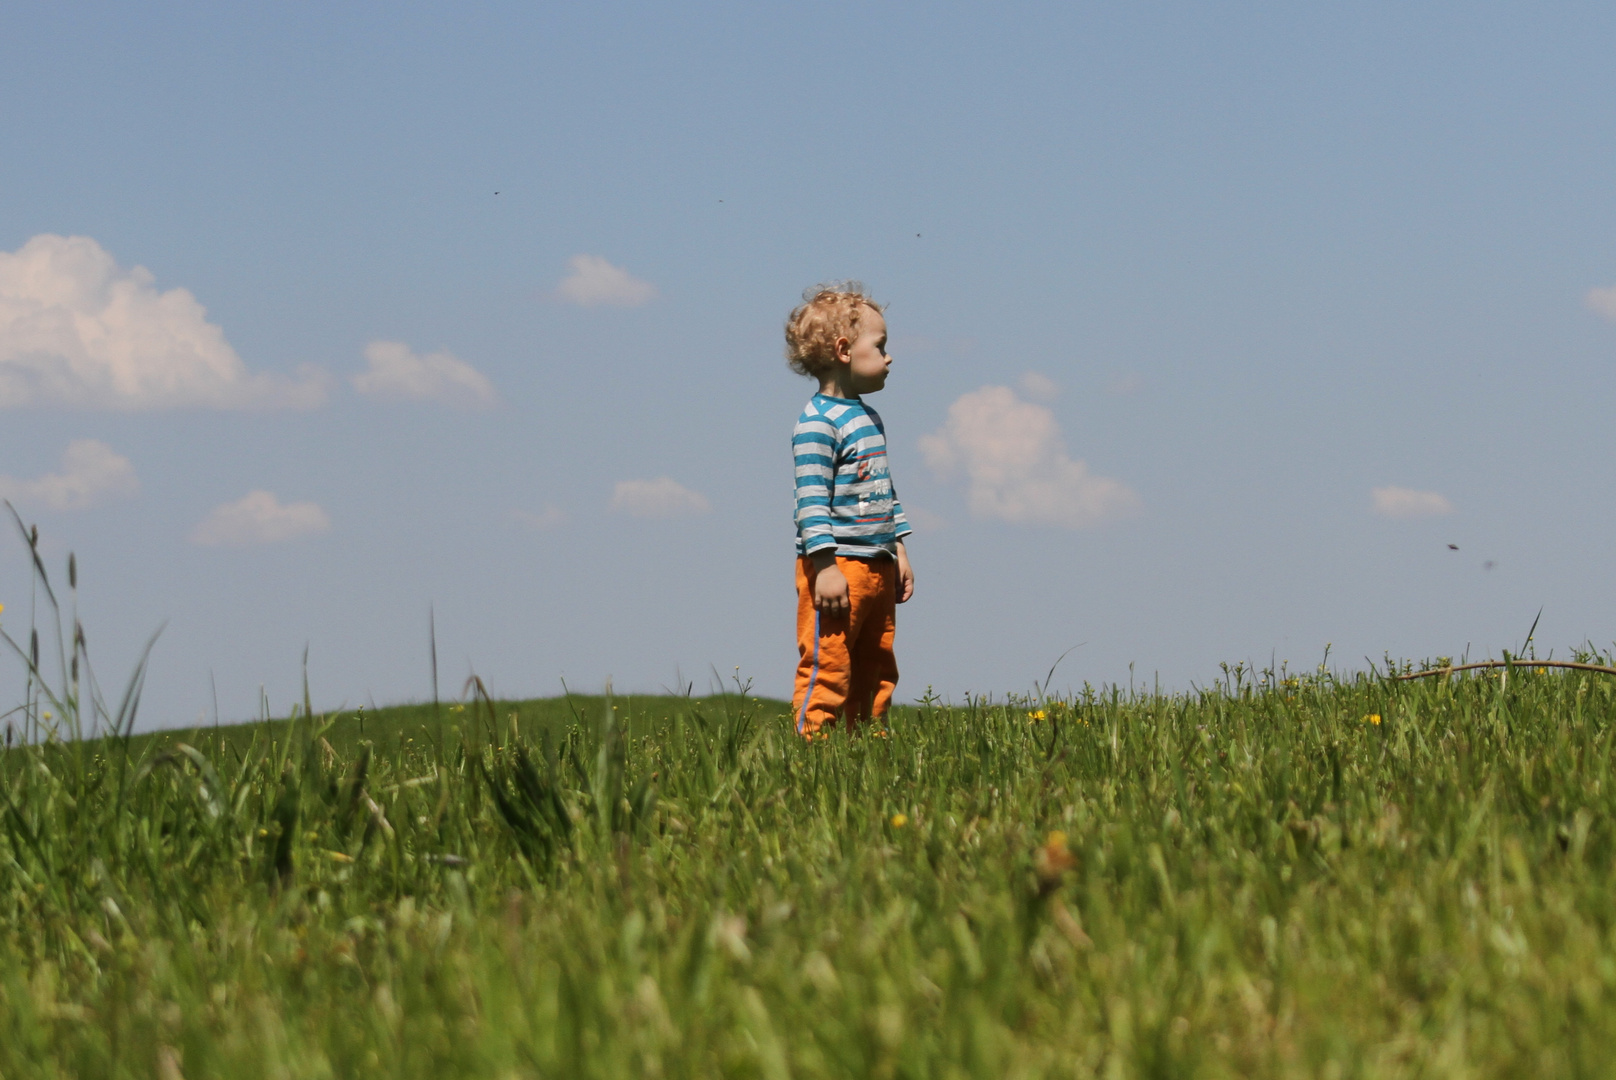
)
(1333, 875)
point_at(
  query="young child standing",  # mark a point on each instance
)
(851, 564)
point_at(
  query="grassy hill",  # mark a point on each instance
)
(1327, 876)
(390, 726)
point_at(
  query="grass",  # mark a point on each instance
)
(1337, 875)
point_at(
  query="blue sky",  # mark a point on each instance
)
(1175, 290)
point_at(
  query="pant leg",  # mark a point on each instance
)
(823, 663)
(875, 668)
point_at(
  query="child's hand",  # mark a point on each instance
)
(906, 576)
(830, 590)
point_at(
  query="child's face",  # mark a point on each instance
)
(866, 357)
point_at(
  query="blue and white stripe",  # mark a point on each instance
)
(845, 498)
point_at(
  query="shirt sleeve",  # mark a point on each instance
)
(813, 445)
(900, 524)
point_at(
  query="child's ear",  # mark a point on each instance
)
(843, 350)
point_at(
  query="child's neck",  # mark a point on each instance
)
(832, 386)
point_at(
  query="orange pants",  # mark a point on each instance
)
(845, 663)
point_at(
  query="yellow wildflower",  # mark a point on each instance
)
(899, 820)
(1034, 717)
(1372, 718)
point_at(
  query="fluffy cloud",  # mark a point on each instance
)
(1401, 502)
(1016, 467)
(662, 497)
(77, 329)
(397, 373)
(595, 281)
(91, 472)
(259, 518)
(1602, 302)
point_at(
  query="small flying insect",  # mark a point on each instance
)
(1453, 547)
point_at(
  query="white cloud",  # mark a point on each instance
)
(662, 497)
(1016, 466)
(550, 517)
(1039, 387)
(1602, 302)
(595, 281)
(77, 329)
(395, 372)
(259, 518)
(1401, 502)
(91, 471)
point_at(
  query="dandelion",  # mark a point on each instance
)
(1542, 670)
(899, 820)
(1372, 718)
(1034, 717)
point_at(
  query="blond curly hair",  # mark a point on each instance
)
(827, 312)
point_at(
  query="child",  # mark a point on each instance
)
(851, 563)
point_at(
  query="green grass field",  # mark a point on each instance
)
(1322, 877)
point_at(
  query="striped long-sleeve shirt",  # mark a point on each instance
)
(845, 498)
